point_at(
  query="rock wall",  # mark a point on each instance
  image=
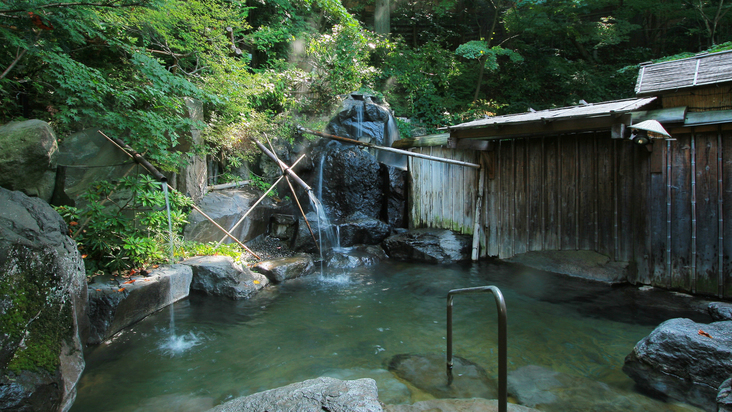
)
(43, 307)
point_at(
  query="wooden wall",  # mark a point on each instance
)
(663, 211)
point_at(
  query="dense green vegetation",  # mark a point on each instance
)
(262, 65)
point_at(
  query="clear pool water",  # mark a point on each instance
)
(348, 325)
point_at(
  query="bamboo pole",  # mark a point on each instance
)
(227, 185)
(283, 165)
(257, 202)
(389, 149)
(292, 189)
(154, 171)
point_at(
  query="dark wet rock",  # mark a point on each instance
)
(578, 263)
(351, 180)
(221, 276)
(28, 162)
(428, 373)
(362, 117)
(551, 391)
(720, 311)
(391, 389)
(116, 304)
(395, 192)
(428, 245)
(43, 307)
(314, 395)
(279, 270)
(456, 405)
(683, 360)
(309, 232)
(353, 257)
(359, 229)
(282, 226)
(226, 207)
(724, 396)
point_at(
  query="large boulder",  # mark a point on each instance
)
(221, 276)
(347, 180)
(226, 207)
(359, 229)
(28, 162)
(720, 310)
(428, 245)
(85, 158)
(353, 257)
(43, 307)
(362, 117)
(724, 397)
(683, 360)
(314, 395)
(116, 304)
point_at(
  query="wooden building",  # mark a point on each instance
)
(571, 179)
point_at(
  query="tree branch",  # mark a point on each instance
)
(112, 4)
(17, 59)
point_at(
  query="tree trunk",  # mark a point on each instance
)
(382, 17)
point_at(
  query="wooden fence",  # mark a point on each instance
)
(661, 211)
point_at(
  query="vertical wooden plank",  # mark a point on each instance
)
(681, 213)
(626, 170)
(507, 183)
(586, 192)
(535, 177)
(605, 196)
(707, 214)
(551, 191)
(657, 214)
(568, 192)
(492, 205)
(640, 212)
(520, 241)
(727, 212)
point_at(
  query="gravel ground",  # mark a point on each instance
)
(266, 248)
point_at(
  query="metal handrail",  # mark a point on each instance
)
(502, 340)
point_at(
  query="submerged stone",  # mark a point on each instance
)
(429, 374)
(552, 391)
(456, 405)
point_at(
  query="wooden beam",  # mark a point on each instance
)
(541, 128)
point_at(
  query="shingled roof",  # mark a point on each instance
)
(702, 69)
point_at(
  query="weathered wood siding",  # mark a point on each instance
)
(668, 212)
(445, 194)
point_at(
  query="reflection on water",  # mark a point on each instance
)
(349, 325)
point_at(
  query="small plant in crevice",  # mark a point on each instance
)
(124, 224)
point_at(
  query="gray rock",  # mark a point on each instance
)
(353, 257)
(115, 305)
(456, 405)
(680, 360)
(578, 263)
(221, 276)
(191, 177)
(428, 373)
(28, 163)
(551, 391)
(279, 270)
(359, 229)
(720, 311)
(724, 396)
(428, 245)
(314, 395)
(43, 305)
(396, 195)
(226, 207)
(102, 161)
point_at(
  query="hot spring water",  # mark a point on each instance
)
(349, 325)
